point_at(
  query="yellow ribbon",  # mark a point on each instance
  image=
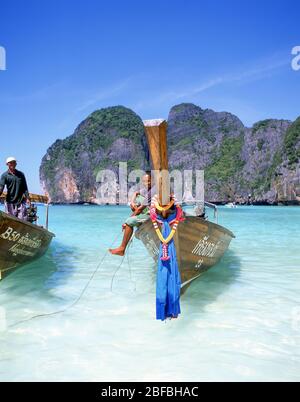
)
(168, 239)
(166, 208)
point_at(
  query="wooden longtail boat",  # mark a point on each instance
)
(21, 242)
(200, 244)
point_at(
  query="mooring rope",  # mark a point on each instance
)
(119, 267)
(77, 299)
(129, 264)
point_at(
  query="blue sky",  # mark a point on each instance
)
(66, 59)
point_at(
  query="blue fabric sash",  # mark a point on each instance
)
(168, 281)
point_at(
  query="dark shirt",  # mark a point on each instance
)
(16, 187)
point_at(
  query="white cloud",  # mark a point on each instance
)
(258, 71)
(36, 95)
(103, 95)
(95, 99)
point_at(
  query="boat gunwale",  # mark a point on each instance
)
(215, 225)
(13, 218)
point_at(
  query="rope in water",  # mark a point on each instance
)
(78, 298)
(129, 264)
(119, 267)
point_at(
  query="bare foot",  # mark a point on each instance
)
(117, 251)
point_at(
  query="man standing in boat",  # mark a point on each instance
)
(17, 190)
(139, 205)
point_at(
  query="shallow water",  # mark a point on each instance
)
(240, 321)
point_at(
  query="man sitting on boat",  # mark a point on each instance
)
(17, 190)
(141, 213)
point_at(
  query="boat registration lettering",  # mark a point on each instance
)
(17, 249)
(13, 236)
(199, 263)
(10, 235)
(206, 248)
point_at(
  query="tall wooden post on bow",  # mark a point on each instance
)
(156, 133)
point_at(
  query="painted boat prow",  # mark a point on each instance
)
(20, 243)
(200, 244)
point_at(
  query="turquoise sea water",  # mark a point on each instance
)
(240, 321)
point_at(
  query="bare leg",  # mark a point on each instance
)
(126, 238)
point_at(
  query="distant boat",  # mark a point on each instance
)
(22, 242)
(231, 205)
(200, 244)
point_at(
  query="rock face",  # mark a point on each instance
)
(69, 169)
(209, 141)
(262, 161)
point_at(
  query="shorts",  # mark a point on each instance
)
(17, 210)
(138, 220)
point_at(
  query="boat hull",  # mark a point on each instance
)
(200, 244)
(20, 243)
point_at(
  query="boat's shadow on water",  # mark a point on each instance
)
(51, 271)
(214, 282)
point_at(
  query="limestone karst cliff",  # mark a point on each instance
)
(263, 160)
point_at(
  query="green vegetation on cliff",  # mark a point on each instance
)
(105, 138)
(227, 162)
(261, 125)
(97, 132)
(262, 181)
(190, 119)
(118, 120)
(292, 142)
(237, 161)
(102, 128)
